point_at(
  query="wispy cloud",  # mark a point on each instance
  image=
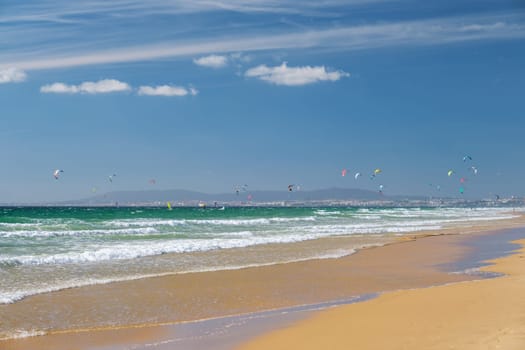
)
(65, 11)
(99, 87)
(348, 38)
(240, 57)
(12, 75)
(166, 90)
(294, 76)
(212, 61)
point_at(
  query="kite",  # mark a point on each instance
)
(290, 188)
(357, 175)
(56, 173)
(450, 172)
(110, 177)
(461, 190)
(474, 170)
(343, 172)
(467, 157)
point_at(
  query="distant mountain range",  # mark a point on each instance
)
(189, 197)
(322, 197)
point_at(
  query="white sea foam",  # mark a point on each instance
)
(217, 222)
(300, 229)
(16, 224)
(324, 212)
(38, 233)
(137, 249)
(20, 333)
(330, 230)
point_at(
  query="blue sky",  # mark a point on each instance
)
(204, 95)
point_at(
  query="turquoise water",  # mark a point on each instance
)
(46, 249)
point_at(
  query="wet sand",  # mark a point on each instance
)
(483, 314)
(97, 314)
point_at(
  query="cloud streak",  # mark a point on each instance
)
(69, 11)
(294, 76)
(166, 90)
(349, 38)
(99, 87)
(12, 75)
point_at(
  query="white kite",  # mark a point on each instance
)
(56, 173)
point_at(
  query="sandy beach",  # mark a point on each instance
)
(486, 314)
(412, 262)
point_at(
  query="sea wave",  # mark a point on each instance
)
(137, 249)
(215, 222)
(38, 233)
(324, 212)
(199, 241)
(8, 297)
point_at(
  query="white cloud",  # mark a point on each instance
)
(167, 90)
(89, 87)
(59, 88)
(213, 61)
(294, 76)
(104, 86)
(112, 85)
(12, 75)
(220, 61)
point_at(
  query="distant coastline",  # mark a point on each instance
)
(331, 197)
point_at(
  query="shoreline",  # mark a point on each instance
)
(470, 315)
(255, 291)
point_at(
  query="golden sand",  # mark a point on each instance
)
(486, 314)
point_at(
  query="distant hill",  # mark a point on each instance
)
(183, 196)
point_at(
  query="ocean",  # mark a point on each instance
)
(44, 249)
